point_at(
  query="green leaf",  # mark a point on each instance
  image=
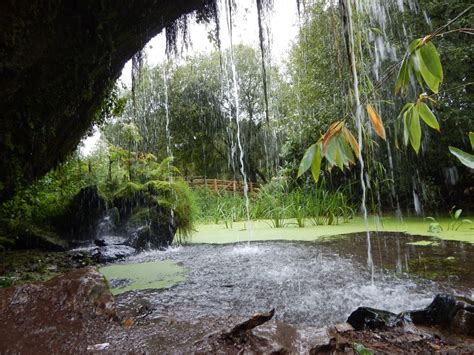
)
(415, 129)
(427, 115)
(339, 157)
(465, 158)
(431, 59)
(403, 76)
(331, 150)
(406, 121)
(307, 159)
(430, 80)
(471, 139)
(345, 146)
(316, 163)
(414, 45)
(405, 108)
(361, 349)
(429, 66)
(457, 213)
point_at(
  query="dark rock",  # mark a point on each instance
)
(463, 322)
(447, 311)
(163, 230)
(111, 253)
(110, 240)
(100, 242)
(141, 238)
(154, 229)
(80, 220)
(67, 312)
(371, 318)
(440, 312)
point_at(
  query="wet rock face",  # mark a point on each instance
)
(370, 318)
(159, 234)
(446, 311)
(129, 226)
(68, 312)
(449, 312)
(109, 253)
(58, 62)
(83, 213)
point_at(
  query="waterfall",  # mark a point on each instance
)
(359, 118)
(235, 94)
(169, 150)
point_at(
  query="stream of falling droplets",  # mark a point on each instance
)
(235, 94)
(169, 151)
(359, 118)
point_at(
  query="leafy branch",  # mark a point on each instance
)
(422, 62)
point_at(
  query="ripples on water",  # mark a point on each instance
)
(307, 283)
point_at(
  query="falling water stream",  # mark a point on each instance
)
(359, 118)
(235, 93)
(168, 137)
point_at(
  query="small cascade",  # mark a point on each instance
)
(105, 226)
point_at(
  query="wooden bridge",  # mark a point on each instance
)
(217, 185)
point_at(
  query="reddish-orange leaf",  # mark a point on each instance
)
(376, 121)
(352, 141)
(333, 129)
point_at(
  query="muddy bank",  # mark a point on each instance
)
(62, 315)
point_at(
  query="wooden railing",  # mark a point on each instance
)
(217, 185)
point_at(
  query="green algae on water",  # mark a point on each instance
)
(151, 275)
(262, 230)
(424, 243)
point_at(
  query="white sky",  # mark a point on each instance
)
(283, 24)
(283, 27)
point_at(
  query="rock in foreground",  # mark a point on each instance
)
(70, 311)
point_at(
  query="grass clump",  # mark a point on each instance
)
(277, 203)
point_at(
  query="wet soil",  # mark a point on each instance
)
(23, 266)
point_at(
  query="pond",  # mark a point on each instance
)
(308, 283)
